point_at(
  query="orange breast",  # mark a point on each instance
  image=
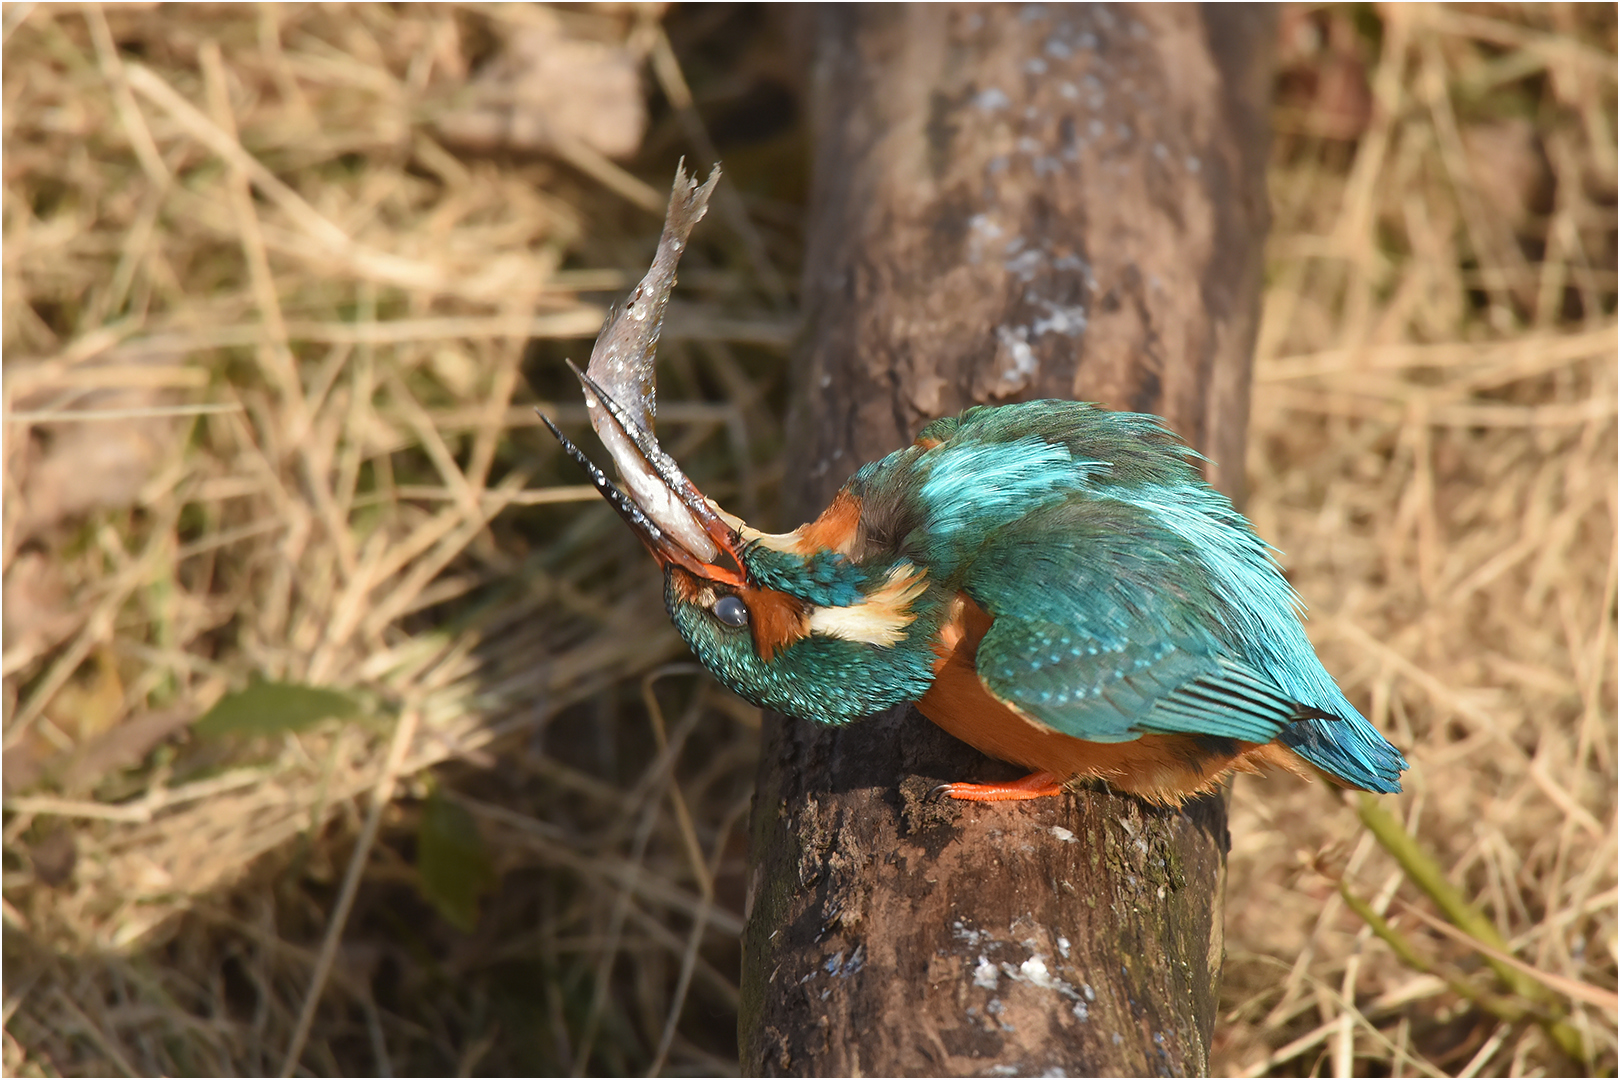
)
(1164, 768)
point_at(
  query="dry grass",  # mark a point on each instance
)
(244, 215)
(1433, 446)
(233, 241)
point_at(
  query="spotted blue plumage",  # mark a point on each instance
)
(825, 577)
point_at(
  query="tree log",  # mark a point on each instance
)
(1009, 202)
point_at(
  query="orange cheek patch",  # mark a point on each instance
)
(835, 529)
(777, 619)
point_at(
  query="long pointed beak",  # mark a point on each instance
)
(669, 474)
(673, 491)
(678, 525)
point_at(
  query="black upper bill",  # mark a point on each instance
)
(664, 467)
(663, 547)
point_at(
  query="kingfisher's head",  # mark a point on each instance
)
(808, 622)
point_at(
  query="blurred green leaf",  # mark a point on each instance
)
(270, 708)
(452, 865)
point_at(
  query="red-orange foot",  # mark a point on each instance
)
(1037, 785)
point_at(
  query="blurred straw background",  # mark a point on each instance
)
(344, 732)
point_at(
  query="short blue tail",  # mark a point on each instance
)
(1349, 749)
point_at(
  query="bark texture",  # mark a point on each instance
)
(1011, 202)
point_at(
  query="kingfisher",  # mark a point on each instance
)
(1051, 582)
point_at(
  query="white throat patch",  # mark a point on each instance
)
(882, 617)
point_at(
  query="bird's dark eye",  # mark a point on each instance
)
(731, 611)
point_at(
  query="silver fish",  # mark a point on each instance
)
(622, 368)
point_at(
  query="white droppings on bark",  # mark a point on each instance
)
(992, 98)
(1017, 363)
(1070, 320)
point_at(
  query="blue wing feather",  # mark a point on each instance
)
(1131, 680)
